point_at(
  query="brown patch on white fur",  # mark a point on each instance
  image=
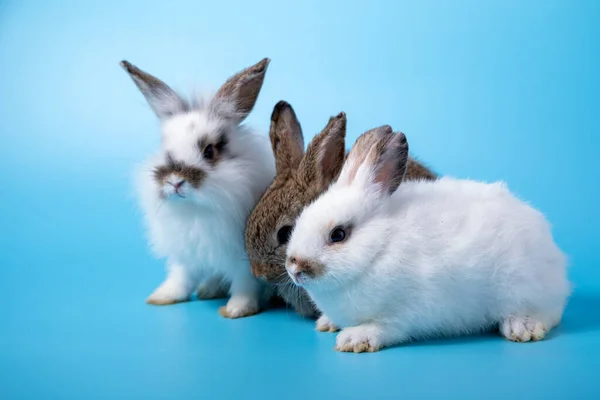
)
(219, 148)
(312, 268)
(194, 176)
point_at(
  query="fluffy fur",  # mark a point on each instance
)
(301, 178)
(443, 257)
(198, 189)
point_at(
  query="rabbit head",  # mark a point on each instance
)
(205, 153)
(340, 233)
(299, 180)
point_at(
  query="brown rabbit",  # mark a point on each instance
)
(299, 180)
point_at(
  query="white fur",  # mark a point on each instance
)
(443, 257)
(201, 233)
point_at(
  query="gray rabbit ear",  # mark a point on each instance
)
(236, 98)
(162, 99)
(286, 136)
(387, 161)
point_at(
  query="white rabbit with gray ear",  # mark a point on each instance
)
(198, 189)
(389, 261)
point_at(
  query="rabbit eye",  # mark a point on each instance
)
(337, 235)
(283, 234)
(209, 152)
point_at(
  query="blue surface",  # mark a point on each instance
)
(489, 90)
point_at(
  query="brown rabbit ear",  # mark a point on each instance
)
(325, 154)
(236, 98)
(360, 150)
(286, 137)
(161, 98)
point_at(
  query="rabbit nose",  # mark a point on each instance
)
(297, 268)
(297, 265)
(297, 274)
(178, 185)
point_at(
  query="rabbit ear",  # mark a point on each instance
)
(161, 98)
(387, 163)
(236, 98)
(360, 150)
(377, 161)
(325, 154)
(286, 137)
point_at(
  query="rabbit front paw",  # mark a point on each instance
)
(523, 329)
(176, 288)
(324, 324)
(166, 294)
(359, 339)
(239, 307)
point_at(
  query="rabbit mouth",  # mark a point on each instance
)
(303, 271)
(299, 279)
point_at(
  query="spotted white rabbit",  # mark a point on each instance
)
(198, 189)
(390, 261)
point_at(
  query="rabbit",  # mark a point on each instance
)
(301, 178)
(197, 191)
(391, 261)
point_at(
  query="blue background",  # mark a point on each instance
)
(483, 89)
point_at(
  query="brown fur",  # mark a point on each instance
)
(194, 176)
(312, 268)
(286, 137)
(299, 181)
(415, 171)
(219, 148)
